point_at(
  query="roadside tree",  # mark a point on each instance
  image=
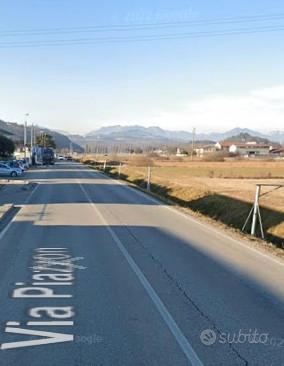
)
(7, 146)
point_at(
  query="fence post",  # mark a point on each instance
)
(255, 209)
(149, 179)
(119, 170)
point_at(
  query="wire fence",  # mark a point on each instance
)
(230, 200)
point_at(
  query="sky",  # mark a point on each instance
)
(114, 73)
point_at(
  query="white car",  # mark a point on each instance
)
(6, 170)
(60, 157)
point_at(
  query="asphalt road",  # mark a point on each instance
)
(93, 272)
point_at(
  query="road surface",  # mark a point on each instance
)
(93, 273)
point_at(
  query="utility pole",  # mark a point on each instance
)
(149, 173)
(255, 209)
(119, 169)
(193, 142)
(44, 139)
(32, 137)
(25, 129)
(25, 133)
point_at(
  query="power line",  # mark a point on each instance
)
(140, 26)
(153, 37)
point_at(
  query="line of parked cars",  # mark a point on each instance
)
(13, 168)
(67, 157)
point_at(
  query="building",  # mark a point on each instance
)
(277, 152)
(247, 149)
(161, 152)
(181, 153)
(204, 150)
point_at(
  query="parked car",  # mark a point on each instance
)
(7, 170)
(24, 162)
(60, 157)
(15, 164)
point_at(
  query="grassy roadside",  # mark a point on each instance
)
(227, 211)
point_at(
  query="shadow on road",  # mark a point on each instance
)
(230, 211)
(195, 286)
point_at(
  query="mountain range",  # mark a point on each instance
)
(134, 133)
(15, 132)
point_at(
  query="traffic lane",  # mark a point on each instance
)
(123, 330)
(214, 286)
(251, 263)
(57, 171)
(68, 198)
(42, 215)
(65, 177)
(246, 263)
(49, 217)
(115, 322)
(211, 290)
(18, 193)
(15, 193)
(191, 319)
(107, 194)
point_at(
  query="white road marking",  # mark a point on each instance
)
(190, 218)
(50, 337)
(7, 227)
(172, 325)
(31, 194)
(52, 323)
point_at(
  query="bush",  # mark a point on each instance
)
(217, 156)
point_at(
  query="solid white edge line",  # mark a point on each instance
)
(31, 194)
(170, 322)
(190, 218)
(7, 227)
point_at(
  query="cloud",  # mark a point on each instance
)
(275, 93)
(262, 109)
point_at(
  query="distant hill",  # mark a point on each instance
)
(220, 136)
(138, 133)
(246, 137)
(15, 132)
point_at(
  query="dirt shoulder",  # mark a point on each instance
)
(221, 202)
(253, 242)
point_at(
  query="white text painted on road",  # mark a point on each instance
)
(52, 267)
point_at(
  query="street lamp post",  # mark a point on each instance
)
(25, 133)
(32, 137)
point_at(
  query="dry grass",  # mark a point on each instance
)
(225, 170)
(223, 191)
